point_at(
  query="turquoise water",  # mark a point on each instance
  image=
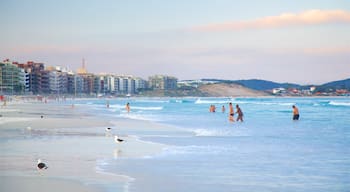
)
(267, 152)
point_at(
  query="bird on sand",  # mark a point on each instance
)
(117, 139)
(41, 165)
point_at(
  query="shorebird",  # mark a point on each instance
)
(117, 139)
(108, 129)
(41, 165)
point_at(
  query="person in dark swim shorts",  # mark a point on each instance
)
(240, 114)
(231, 113)
(295, 113)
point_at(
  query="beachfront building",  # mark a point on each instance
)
(58, 80)
(75, 84)
(25, 80)
(125, 85)
(35, 77)
(110, 83)
(279, 90)
(162, 82)
(116, 85)
(122, 85)
(88, 83)
(131, 88)
(98, 84)
(140, 84)
(12, 78)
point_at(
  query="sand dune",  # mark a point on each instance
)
(230, 90)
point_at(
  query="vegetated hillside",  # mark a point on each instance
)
(341, 84)
(229, 90)
(263, 85)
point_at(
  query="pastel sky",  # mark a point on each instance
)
(280, 40)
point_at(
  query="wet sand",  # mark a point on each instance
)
(71, 141)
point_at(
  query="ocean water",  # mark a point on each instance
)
(266, 152)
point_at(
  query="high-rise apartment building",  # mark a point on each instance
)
(12, 78)
(162, 82)
(35, 78)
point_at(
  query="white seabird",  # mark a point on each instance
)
(117, 139)
(41, 165)
(108, 129)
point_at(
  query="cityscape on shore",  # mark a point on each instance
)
(34, 78)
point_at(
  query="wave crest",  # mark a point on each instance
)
(335, 103)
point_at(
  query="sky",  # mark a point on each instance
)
(306, 42)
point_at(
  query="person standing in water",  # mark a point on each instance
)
(295, 113)
(127, 107)
(231, 113)
(240, 113)
(223, 109)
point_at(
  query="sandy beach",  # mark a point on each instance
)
(70, 141)
(174, 144)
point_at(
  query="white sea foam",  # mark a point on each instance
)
(99, 170)
(139, 117)
(219, 133)
(264, 103)
(118, 106)
(336, 103)
(199, 101)
(148, 108)
(190, 149)
(153, 101)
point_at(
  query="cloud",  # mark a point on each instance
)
(310, 17)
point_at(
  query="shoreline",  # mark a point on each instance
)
(71, 141)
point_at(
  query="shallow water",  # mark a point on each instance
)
(267, 152)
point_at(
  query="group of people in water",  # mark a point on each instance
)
(239, 112)
(232, 112)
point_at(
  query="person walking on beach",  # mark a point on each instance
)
(127, 107)
(295, 113)
(240, 113)
(231, 113)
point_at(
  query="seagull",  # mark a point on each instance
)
(108, 129)
(41, 165)
(117, 140)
